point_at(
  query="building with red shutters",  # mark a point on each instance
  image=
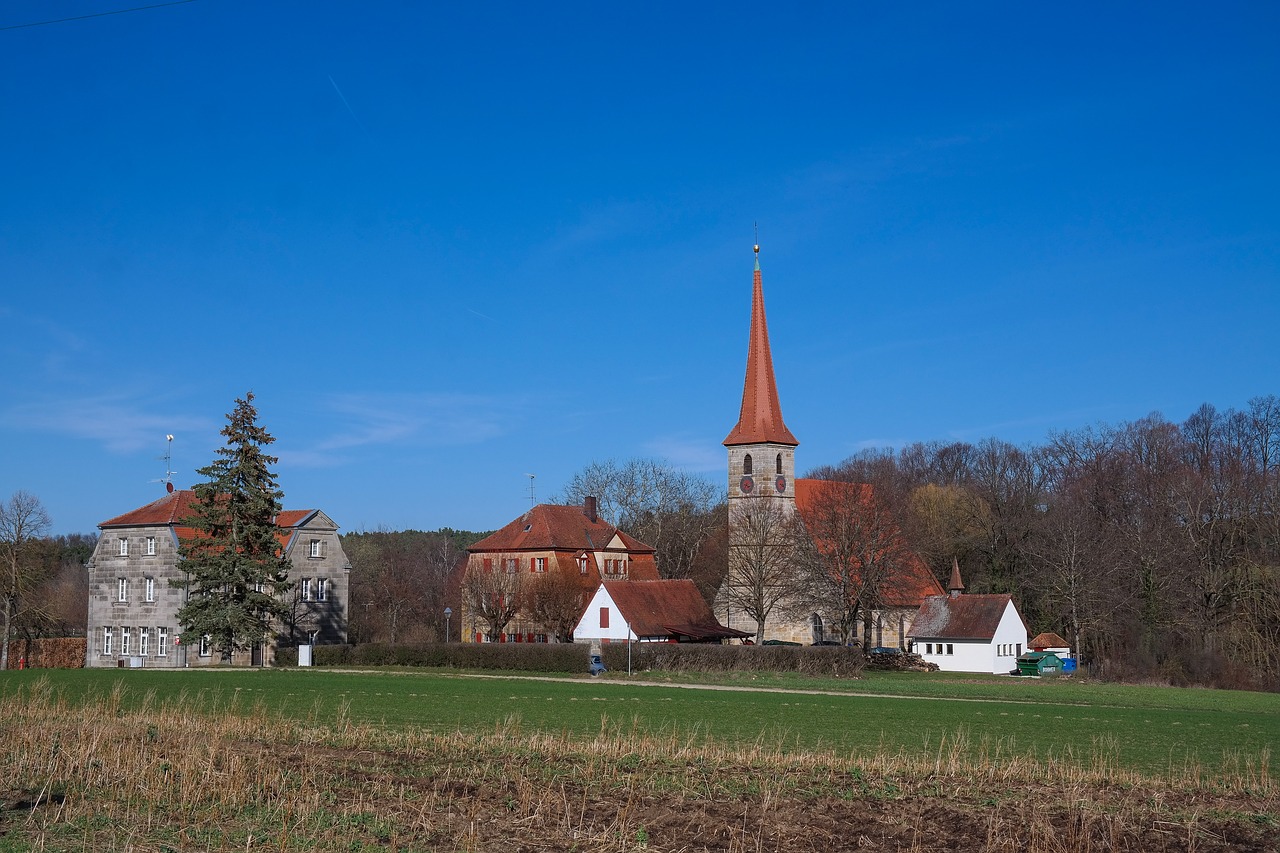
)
(571, 543)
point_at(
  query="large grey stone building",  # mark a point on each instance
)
(133, 607)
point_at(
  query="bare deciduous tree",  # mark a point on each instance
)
(555, 600)
(670, 509)
(23, 523)
(857, 557)
(494, 595)
(763, 540)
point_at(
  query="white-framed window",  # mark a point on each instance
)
(151, 546)
(204, 646)
(317, 548)
(306, 589)
(151, 589)
(162, 642)
(124, 547)
(622, 567)
(126, 635)
(951, 650)
(582, 564)
(106, 640)
(122, 589)
(513, 565)
(322, 589)
(144, 641)
(540, 565)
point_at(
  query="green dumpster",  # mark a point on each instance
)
(1039, 663)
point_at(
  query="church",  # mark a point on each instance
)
(774, 518)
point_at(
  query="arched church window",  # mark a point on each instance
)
(746, 464)
(778, 465)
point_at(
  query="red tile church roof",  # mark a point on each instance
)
(760, 419)
(913, 584)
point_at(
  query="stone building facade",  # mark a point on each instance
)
(133, 606)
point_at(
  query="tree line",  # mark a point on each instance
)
(1152, 546)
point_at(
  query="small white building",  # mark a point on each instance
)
(662, 611)
(969, 633)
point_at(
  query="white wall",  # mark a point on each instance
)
(588, 627)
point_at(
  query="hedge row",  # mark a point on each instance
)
(828, 661)
(519, 657)
(48, 653)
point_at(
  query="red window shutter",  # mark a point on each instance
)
(604, 617)
(488, 564)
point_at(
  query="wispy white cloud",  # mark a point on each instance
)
(410, 420)
(601, 225)
(121, 424)
(691, 454)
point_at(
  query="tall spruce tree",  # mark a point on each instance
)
(236, 570)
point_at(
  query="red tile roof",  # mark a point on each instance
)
(760, 419)
(666, 608)
(553, 527)
(962, 617)
(912, 584)
(177, 506)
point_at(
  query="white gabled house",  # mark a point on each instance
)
(969, 633)
(657, 611)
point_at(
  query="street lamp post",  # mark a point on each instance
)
(448, 611)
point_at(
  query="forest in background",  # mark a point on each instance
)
(1152, 546)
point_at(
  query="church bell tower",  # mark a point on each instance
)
(761, 448)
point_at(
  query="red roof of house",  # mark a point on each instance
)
(760, 419)
(961, 617)
(176, 506)
(913, 583)
(667, 608)
(554, 527)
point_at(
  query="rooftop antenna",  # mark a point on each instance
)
(168, 464)
(533, 493)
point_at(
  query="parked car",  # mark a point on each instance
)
(596, 666)
(884, 650)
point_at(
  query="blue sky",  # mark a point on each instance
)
(447, 245)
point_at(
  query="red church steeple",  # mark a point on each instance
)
(760, 420)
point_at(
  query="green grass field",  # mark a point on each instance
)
(1152, 730)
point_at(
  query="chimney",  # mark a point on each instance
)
(589, 507)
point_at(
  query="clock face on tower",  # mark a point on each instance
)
(746, 485)
(781, 483)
